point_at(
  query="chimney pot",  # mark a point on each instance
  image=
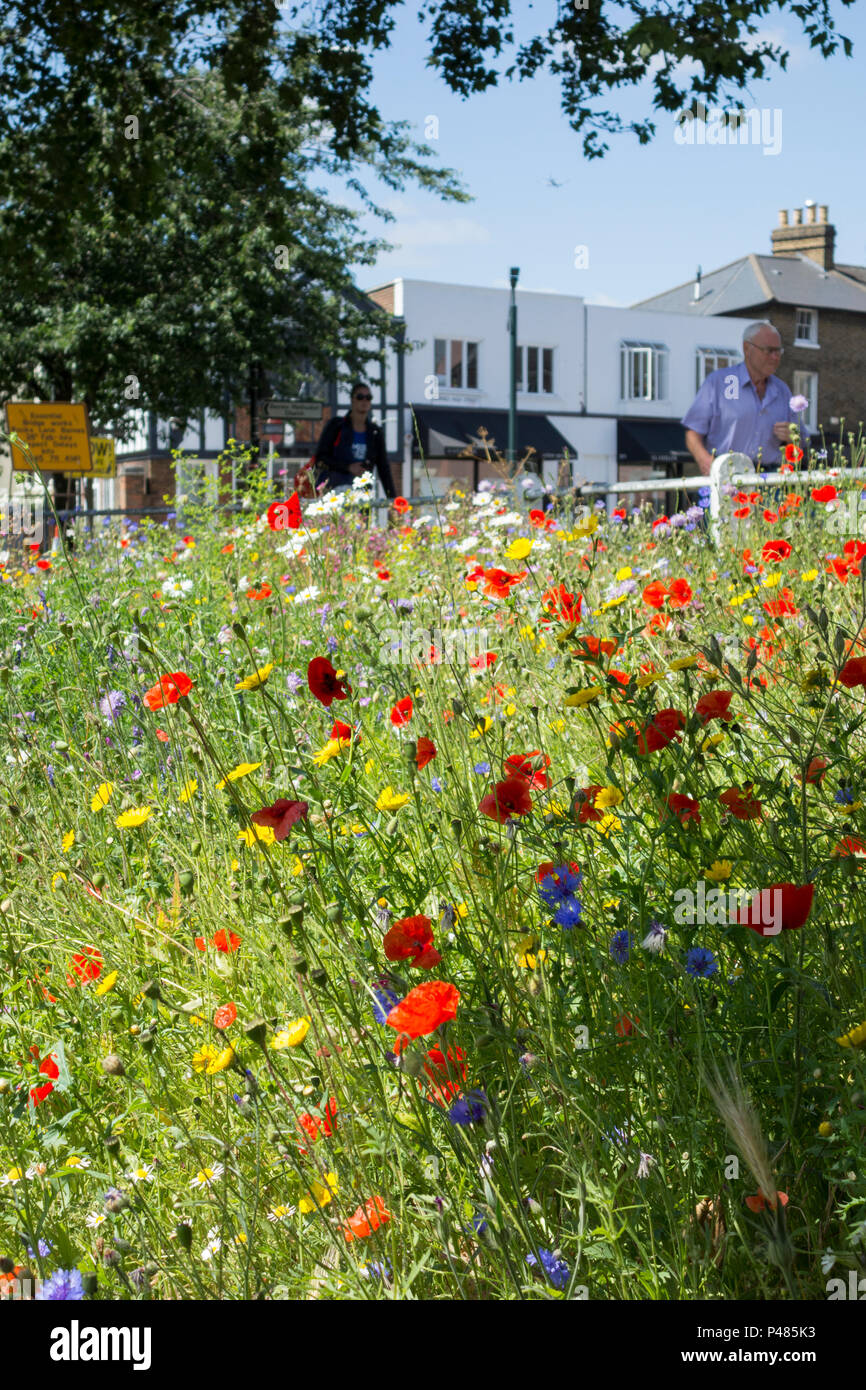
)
(823, 213)
(810, 214)
(783, 217)
(798, 217)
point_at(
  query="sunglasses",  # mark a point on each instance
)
(363, 396)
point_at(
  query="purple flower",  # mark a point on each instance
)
(111, 705)
(294, 681)
(63, 1285)
(469, 1109)
(798, 403)
(620, 946)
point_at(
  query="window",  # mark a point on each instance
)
(806, 384)
(535, 370)
(643, 371)
(806, 330)
(455, 363)
(709, 359)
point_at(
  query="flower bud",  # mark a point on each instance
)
(112, 1065)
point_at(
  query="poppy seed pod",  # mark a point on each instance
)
(319, 976)
(257, 1031)
(183, 1231)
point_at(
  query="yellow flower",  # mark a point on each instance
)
(220, 1061)
(205, 1057)
(585, 528)
(462, 910)
(330, 750)
(241, 770)
(250, 834)
(530, 960)
(855, 1038)
(102, 796)
(582, 697)
(771, 580)
(189, 790)
(68, 841)
(809, 575)
(748, 620)
(622, 574)
(292, 1035)
(608, 825)
(59, 877)
(684, 663)
(608, 797)
(320, 1193)
(719, 870)
(488, 723)
(519, 549)
(510, 710)
(712, 742)
(610, 603)
(649, 679)
(107, 984)
(389, 800)
(825, 1129)
(130, 819)
(256, 680)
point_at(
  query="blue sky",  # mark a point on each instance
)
(648, 215)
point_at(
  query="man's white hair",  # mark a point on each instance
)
(754, 329)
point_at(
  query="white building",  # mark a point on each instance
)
(608, 385)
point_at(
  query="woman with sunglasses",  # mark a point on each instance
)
(350, 445)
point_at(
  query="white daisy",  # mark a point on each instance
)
(143, 1173)
(94, 1219)
(206, 1176)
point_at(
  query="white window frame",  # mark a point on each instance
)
(806, 384)
(444, 380)
(523, 350)
(709, 359)
(656, 371)
(812, 340)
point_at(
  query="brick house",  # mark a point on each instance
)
(817, 304)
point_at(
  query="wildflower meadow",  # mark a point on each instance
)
(462, 905)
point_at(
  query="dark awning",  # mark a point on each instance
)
(651, 441)
(449, 432)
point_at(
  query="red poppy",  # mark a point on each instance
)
(281, 816)
(324, 682)
(366, 1219)
(679, 593)
(740, 512)
(402, 712)
(47, 1067)
(426, 751)
(654, 594)
(661, 521)
(849, 846)
(530, 766)
(283, 516)
(561, 603)
(594, 647)
(662, 729)
(86, 967)
(508, 798)
(816, 769)
(481, 663)
(625, 1025)
(758, 1201)
(401, 505)
(782, 607)
(853, 672)
(314, 1125)
(412, 939)
(714, 705)
(499, 583)
(685, 807)
(619, 513)
(780, 907)
(793, 453)
(162, 735)
(264, 592)
(228, 549)
(775, 550)
(425, 1008)
(224, 1016)
(446, 1072)
(169, 690)
(827, 493)
(770, 516)
(741, 803)
(225, 941)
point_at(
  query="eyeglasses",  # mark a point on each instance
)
(363, 396)
(772, 352)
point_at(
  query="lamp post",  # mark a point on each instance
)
(512, 399)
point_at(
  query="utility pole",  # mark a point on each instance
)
(512, 401)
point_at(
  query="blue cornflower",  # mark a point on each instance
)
(844, 796)
(568, 914)
(554, 1266)
(559, 885)
(294, 681)
(483, 768)
(63, 1285)
(377, 1269)
(435, 784)
(701, 963)
(332, 644)
(385, 1001)
(620, 945)
(469, 1109)
(43, 1246)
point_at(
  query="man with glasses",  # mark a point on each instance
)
(744, 409)
(352, 444)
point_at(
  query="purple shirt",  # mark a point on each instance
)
(732, 419)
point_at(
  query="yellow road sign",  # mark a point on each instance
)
(104, 460)
(56, 432)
